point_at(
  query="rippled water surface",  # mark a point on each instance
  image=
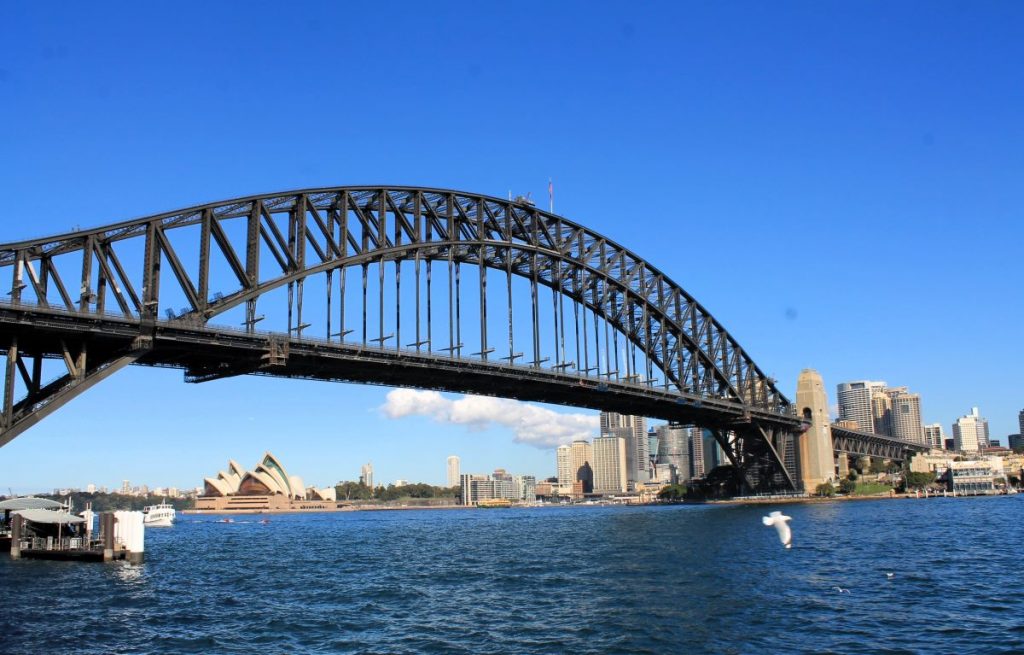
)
(681, 579)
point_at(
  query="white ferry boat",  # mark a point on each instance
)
(158, 516)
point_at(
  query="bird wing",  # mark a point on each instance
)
(785, 534)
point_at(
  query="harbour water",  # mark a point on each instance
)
(671, 579)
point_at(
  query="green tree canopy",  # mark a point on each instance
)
(918, 480)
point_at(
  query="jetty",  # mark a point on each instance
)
(39, 528)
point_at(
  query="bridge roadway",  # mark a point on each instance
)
(210, 352)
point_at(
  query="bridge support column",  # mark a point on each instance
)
(817, 464)
(844, 465)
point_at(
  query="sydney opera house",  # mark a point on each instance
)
(267, 487)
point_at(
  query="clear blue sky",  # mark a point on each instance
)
(840, 184)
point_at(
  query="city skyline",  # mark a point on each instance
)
(789, 144)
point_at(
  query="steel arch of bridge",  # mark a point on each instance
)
(81, 283)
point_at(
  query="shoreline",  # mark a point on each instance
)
(726, 501)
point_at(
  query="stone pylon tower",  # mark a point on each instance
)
(817, 459)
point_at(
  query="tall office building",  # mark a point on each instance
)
(970, 432)
(454, 465)
(610, 465)
(881, 412)
(714, 456)
(1020, 421)
(905, 415)
(634, 430)
(563, 460)
(933, 435)
(126, 487)
(855, 403)
(581, 458)
(697, 452)
(674, 449)
(366, 475)
(652, 449)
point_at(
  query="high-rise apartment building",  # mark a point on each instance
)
(934, 436)
(366, 475)
(563, 461)
(970, 432)
(674, 449)
(905, 415)
(610, 475)
(855, 403)
(454, 465)
(126, 487)
(634, 430)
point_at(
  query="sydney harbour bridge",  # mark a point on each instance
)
(399, 286)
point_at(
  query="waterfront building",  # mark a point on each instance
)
(610, 474)
(970, 432)
(855, 403)
(266, 487)
(674, 449)
(453, 470)
(933, 435)
(563, 461)
(476, 487)
(974, 477)
(366, 475)
(634, 430)
(525, 487)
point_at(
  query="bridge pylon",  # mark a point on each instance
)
(817, 460)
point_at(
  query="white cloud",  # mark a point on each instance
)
(537, 426)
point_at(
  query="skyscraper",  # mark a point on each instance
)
(933, 435)
(366, 475)
(697, 452)
(970, 432)
(610, 465)
(905, 417)
(581, 458)
(454, 466)
(855, 403)
(563, 460)
(634, 430)
(674, 449)
(1020, 421)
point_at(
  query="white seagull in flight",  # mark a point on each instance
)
(780, 521)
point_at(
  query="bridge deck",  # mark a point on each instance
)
(211, 352)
